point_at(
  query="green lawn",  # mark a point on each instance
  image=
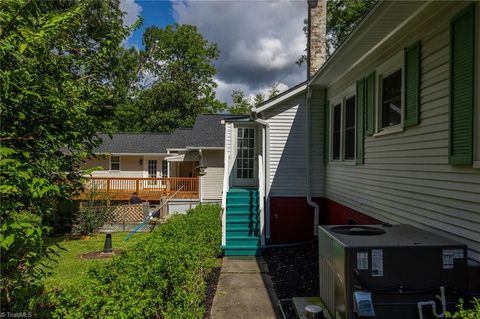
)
(70, 268)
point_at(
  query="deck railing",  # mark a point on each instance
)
(121, 188)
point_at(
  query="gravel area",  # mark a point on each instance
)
(294, 272)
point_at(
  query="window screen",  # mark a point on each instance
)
(350, 128)
(392, 99)
(337, 118)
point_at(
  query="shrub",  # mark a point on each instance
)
(163, 276)
(462, 313)
(22, 247)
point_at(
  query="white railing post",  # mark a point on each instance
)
(261, 182)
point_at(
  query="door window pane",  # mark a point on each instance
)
(392, 99)
(245, 153)
(152, 168)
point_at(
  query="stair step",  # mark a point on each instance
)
(242, 196)
(242, 201)
(243, 224)
(251, 242)
(243, 218)
(243, 208)
(242, 232)
(243, 190)
(241, 250)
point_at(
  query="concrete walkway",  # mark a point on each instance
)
(244, 290)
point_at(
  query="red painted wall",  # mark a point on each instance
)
(291, 218)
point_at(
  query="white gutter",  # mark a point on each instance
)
(266, 151)
(207, 148)
(309, 179)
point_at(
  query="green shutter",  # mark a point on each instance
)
(360, 121)
(412, 84)
(326, 145)
(462, 66)
(370, 103)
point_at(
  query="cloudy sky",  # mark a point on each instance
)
(259, 40)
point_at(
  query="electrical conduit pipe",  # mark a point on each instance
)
(432, 303)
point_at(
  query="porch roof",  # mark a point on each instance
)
(207, 132)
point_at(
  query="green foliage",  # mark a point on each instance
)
(90, 218)
(175, 81)
(243, 105)
(462, 313)
(342, 17)
(56, 58)
(22, 249)
(163, 276)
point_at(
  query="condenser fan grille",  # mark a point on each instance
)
(358, 230)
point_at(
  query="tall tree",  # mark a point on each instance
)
(179, 63)
(342, 17)
(243, 105)
(56, 65)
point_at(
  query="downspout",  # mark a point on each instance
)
(266, 155)
(309, 178)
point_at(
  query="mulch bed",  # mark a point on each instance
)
(212, 282)
(294, 272)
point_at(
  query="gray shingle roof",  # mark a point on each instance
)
(207, 132)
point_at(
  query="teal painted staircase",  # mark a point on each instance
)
(243, 223)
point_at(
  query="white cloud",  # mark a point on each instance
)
(224, 90)
(132, 11)
(259, 41)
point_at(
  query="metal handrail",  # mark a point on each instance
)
(150, 216)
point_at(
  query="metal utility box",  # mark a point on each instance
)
(399, 265)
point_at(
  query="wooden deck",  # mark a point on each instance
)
(151, 189)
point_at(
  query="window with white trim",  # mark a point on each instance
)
(343, 124)
(390, 94)
(392, 99)
(349, 136)
(337, 131)
(114, 163)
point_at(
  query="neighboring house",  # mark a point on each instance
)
(386, 130)
(189, 161)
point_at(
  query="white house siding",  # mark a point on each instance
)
(212, 181)
(317, 132)
(130, 166)
(406, 177)
(287, 153)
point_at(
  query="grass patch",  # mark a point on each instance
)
(70, 269)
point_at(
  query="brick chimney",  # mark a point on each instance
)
(317, 35)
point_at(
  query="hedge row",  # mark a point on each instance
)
(162, 276)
